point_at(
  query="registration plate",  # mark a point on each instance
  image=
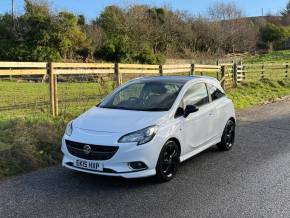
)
(90, 165)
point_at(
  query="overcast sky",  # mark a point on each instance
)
(92, 8)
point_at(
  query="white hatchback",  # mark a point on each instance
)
(148, 126)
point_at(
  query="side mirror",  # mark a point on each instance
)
(179, 112)
(189, 109)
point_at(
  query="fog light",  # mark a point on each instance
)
(137, 165)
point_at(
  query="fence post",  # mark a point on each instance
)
(161, 70)
(118, 74)
(217, 73)
(262, 71)
(235, 74)
(52, 89)
(192, 70)
(223, 74)
(286, 70)
(55, 92)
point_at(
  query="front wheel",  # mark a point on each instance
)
(228, 137)
(167, 162)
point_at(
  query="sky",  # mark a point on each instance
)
(92, 8)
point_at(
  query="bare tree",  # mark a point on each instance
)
(232, 32)
(221, 11)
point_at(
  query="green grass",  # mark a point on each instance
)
(254, 93)
(30, 139)
(271, 57)
(28, 99)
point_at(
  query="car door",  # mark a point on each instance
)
(198, 126)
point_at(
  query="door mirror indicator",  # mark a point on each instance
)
(189, 109)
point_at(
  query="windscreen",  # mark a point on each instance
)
(144, 96)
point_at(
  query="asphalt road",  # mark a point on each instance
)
(252, 180)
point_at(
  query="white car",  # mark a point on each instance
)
(148, 126)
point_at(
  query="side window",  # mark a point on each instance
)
(196, 95)
(214, 92)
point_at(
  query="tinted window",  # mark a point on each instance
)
(196, 95)
(214, 92)
(144, 96)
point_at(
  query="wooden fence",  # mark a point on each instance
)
(228, 74)
(254, 72)
(52, 70)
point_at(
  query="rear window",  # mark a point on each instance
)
(196, 95)
(214, 92)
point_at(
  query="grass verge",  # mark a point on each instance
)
(254, 93)
(33, 142)
(29, 143)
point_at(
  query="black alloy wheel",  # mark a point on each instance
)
(228, 137)
(168, 161)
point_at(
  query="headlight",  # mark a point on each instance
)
(69, 129)
(141, 136)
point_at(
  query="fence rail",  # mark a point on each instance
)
(230, 75)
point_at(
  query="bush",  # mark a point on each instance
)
(115, 50)
(28, 145)
(146, 56)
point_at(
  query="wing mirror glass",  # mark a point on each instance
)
(189, 109)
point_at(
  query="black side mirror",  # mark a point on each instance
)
(179, 112)
(189, 109)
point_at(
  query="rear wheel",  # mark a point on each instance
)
(168, 161)
(228, 137)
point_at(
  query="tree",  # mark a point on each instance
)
(272, 33)
(116, 47)
(40, 35)
(139, 33)
(229, 27)
(113, 21)
(221, 11)
(286, 11)
(68, 34)
(7, 38)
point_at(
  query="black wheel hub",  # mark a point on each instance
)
(169, 160)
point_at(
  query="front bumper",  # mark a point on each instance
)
(118, 165)
(128, 175)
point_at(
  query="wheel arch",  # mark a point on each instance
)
(233, 119)
(177, 142)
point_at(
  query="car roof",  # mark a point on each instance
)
(181, 79)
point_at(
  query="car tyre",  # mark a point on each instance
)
(228, 137)
(168, 162)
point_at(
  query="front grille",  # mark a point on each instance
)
(98, 152)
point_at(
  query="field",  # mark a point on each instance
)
(270, 57)
(26, 99)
